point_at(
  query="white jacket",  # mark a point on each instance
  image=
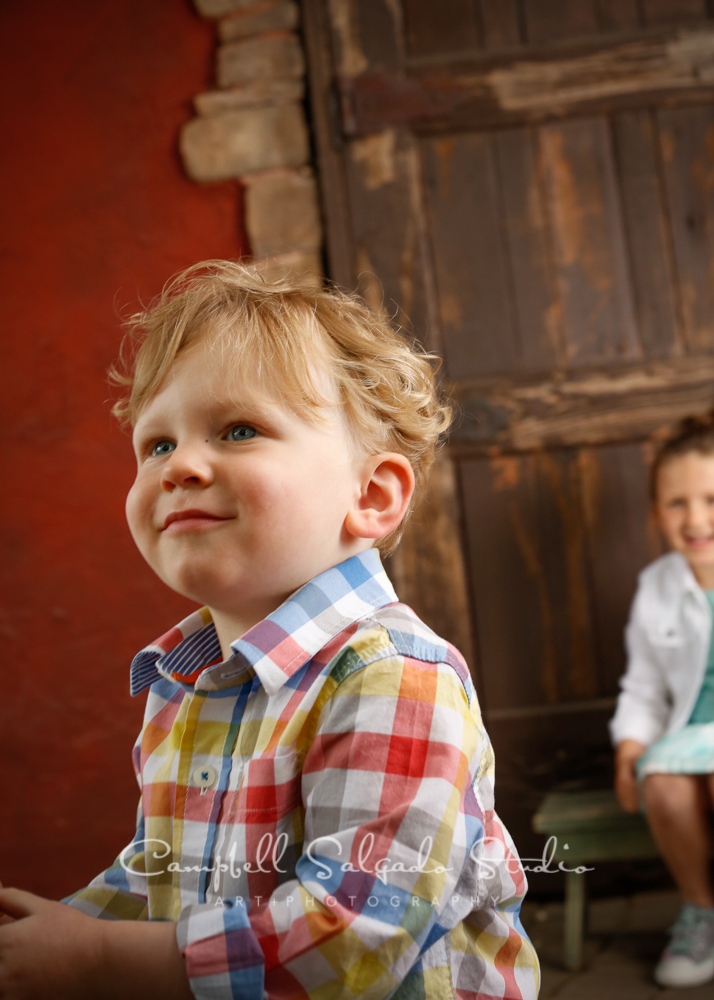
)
(667, 640)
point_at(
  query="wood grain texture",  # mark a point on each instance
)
(621, 539)
(526, 540)
(429, 567)
(643, 207)
(471, 255)
(618, 15)
(586, 223)
(328, 145)
(501, 29)
(536, 303)
(380, 29)
(446, 27)
(603, 73)
(389, 238)
(550, 20)
(624, 403)
(658, 12)
(687, 143)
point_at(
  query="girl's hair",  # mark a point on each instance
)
(695, 433)
(284, 334)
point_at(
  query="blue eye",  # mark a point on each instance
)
(163, 448)
(241, 432)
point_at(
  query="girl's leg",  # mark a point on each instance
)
(677, 813)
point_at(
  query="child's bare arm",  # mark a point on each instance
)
(49, 949)
(627, 754)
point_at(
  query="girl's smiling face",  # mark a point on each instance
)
(684, 506)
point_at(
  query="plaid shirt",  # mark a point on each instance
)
(317, 811)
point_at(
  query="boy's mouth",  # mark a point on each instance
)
(191, 519)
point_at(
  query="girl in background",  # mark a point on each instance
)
(663, 727)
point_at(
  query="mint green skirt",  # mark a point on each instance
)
(688, 751)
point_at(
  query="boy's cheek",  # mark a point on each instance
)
(138, 515)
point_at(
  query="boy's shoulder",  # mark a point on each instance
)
(396, 630)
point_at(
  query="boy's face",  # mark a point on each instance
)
(237, 500)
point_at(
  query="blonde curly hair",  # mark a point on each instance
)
(286, 333)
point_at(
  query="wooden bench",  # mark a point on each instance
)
(588, 827)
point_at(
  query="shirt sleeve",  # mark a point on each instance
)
(643, 704)
(403, 863)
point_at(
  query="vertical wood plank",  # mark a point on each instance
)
(687, 144)
(653, 281)
(500, 23)
(526, 540)
(330, 159)
(471, 258)
(429, 567)
(622, 540)
(390, 247)
(614, 15)
(514, 611)
(561, 529)
(432, 29)
(380, 34)
(667, 12)
(535, 296)
(590, 252)
(550, 20)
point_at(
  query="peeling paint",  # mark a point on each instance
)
(377, 158)
(450, 309)
(647, 64)
(352, 60)
(573, 207)
(506, 472)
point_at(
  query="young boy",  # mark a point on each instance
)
(316, 816)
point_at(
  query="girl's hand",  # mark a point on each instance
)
(627, 755)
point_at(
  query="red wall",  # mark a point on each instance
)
(97, 214)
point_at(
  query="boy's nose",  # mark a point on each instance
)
(187, 466)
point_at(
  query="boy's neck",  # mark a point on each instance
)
(230, 627)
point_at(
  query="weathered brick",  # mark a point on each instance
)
(257, 94)
(219, 8)
(244, 142)
(282, 213)
(241, 62)
(303, 267)
(278, 16)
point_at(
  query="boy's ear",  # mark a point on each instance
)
(386, 488)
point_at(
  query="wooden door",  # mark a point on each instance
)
(530, 183)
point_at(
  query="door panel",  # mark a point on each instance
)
(542, 212)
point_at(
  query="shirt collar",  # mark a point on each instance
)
(682, 571)
(279, 645)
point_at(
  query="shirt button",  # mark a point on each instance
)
(204, 777)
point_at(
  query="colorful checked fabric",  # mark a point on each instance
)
(317, 811)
